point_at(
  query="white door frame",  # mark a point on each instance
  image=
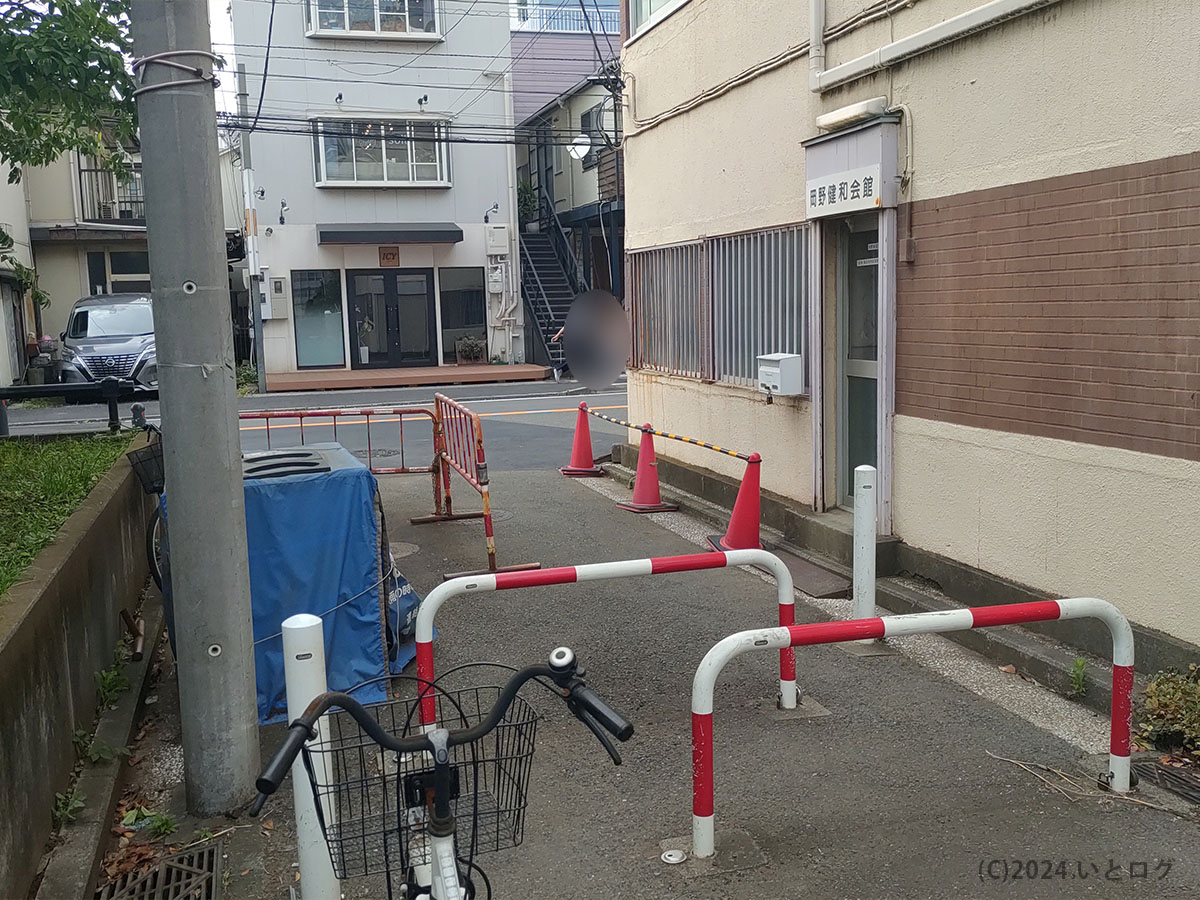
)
(886, 356)
(816, 358)
(882, 369)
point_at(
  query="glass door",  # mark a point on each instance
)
(858, 351)
(414, 334)
(392, 317)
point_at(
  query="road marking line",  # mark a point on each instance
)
(361, 420)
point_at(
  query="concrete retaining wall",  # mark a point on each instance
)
(58, 628)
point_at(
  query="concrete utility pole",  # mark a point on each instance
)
(252, 260)
(210, 579)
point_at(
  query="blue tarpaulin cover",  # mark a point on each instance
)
(317, 546)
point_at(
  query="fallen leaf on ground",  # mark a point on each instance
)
(1010, 669)
(269, 824)
(245, 871)
(297, 876)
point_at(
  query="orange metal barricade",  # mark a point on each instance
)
(365, 417)
(461, 449)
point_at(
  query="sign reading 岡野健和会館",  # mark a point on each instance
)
(842, 192)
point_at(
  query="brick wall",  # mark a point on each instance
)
(1067, 307)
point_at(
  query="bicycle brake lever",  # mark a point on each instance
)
(594, 727)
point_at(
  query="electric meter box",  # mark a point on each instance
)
(496, 239)
(781, 373)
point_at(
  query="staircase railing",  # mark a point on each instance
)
(528, 268)
(562, 247)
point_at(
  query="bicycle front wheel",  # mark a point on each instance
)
(154, 535)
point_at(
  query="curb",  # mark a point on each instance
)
(1046, 661)
(73, 866)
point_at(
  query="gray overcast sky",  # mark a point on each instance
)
(221, 28)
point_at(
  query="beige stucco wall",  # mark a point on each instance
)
(62, 274)
(51, 198)
(735, 417)
(1085, 84)
(1073, 519)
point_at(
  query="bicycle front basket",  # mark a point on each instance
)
(372, 801)
(147, 464)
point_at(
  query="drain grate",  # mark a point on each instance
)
(187, 875)
(1180, 782)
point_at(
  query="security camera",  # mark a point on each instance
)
(283, 207)
(270, 231)
(260, 193)
(338, 98)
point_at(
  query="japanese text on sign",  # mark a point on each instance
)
(843, 192)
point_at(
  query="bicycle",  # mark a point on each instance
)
(422, 838)
(147, 463)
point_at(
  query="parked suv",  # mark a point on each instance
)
(110, 334)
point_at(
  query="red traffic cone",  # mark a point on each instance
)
(742, 533)
(646, 496)
(582, 465)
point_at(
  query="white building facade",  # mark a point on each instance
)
(385, 185)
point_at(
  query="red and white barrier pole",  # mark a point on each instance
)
(661, 565)
(703, 835)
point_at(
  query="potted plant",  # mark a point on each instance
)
(469, 350)
(527, 206)
(365, 327)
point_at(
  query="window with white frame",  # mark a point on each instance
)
(644, 14)
(381, 153)
(380, 18)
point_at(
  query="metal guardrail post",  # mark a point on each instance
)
(624, 568)
(1117, 778)
(865, 527)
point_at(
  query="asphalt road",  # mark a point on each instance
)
(526, 426)
(524, 433)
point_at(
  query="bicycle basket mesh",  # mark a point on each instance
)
(147, 463)
(359, 787)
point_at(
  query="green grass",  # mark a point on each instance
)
(38, 403)
(41, 483)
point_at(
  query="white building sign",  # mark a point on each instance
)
(844, 192)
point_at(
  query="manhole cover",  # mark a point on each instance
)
(498, 515)
(1181, 781)
(402, 549)
(188, 875)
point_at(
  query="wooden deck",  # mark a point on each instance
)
(339, 379)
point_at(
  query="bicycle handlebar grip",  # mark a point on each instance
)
(281, 763)
(612, 721)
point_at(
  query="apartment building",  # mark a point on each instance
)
(88, 230)
(979, 224)
(564, 61)
(386, 191)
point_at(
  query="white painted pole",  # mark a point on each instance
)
(304, 676)
(864, 543)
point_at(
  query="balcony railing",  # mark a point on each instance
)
(553, 15)
(106, 198)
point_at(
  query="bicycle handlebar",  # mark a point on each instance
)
(582, 700)
(612, 721)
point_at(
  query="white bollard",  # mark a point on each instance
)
(864, 544)
(304, 675)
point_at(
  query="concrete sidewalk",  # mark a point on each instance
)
(891, 795)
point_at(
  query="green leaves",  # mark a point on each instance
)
(65, 72)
